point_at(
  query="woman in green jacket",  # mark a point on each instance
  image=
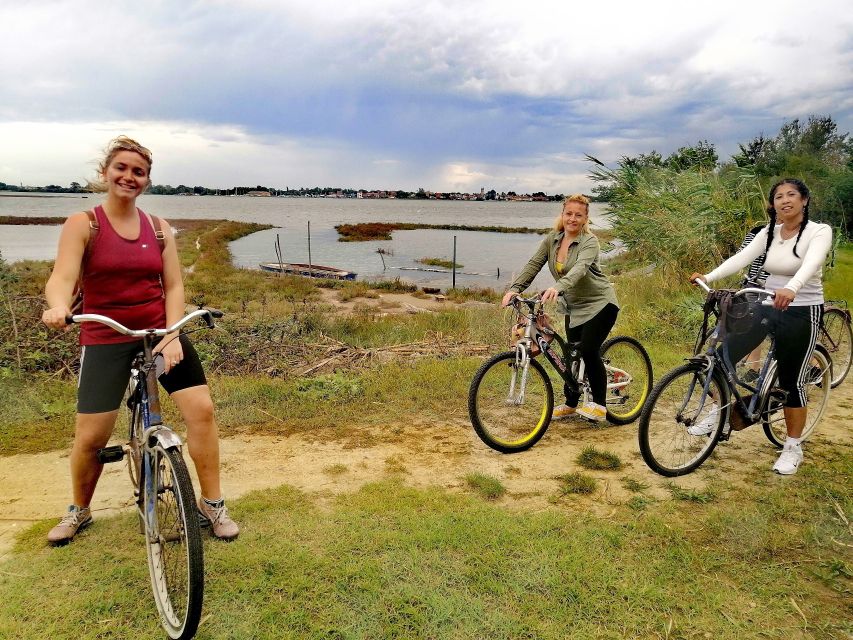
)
(583, 294)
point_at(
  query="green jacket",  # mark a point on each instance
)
(584, 289)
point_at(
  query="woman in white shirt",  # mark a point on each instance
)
(796, 249)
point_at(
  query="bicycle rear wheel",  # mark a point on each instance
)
(173, 542)
(629, 378)
(510, 406)
(818, 384)
(837, 337)
(677, 402)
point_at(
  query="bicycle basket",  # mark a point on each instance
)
(742, 313)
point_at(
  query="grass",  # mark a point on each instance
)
(382, 230)
(486, 486)
(576, 483)
(592, 458)
(698, 496)
(440, 262)
(390, 561)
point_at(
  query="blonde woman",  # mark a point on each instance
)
(584, 295)
(133, 276)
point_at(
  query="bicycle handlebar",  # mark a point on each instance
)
(704, 286)
(207, 314)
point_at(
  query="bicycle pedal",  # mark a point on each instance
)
(110, 454)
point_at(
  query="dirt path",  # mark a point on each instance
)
(36, 487)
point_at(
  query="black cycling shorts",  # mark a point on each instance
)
(105, 372)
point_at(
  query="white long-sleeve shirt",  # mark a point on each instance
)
(803, 275)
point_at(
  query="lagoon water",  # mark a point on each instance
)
(482, 254)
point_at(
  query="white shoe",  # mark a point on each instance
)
(707, 424)
(789, 460)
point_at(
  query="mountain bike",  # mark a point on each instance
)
(162, 489)
(709, 388)
(511, 397)
(836, 337)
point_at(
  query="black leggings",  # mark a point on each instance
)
(591, 335)
(796, 331)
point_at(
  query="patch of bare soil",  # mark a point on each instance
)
(36, 487)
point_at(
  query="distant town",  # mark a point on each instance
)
(302, 192)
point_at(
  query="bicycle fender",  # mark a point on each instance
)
(165, 437)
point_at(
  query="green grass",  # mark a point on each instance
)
(576, 483)
(390, 561)
(485, 486)
(699, 496)
(592, 458)
(440, 262)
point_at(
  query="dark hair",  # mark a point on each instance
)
(804, 192)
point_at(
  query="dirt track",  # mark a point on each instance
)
(36, 487)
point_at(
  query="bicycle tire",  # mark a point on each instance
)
(836, 336)
(665, 444)
(818, 384)
(173, 542)
(625, 401)
(505, 424)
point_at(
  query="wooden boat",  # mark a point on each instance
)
(314, 271)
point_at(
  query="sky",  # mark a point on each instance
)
(385, 94)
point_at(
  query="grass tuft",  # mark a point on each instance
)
(486, 486)
(692, 495)
(576, 483)
(592, 458)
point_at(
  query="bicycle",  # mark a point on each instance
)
(837, 337)
(691, 393)
(163, 491)
(511, 397)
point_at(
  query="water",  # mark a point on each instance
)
(482, 254)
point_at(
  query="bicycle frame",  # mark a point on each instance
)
(573, 372)
(716, 358)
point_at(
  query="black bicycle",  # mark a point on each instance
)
(511, 397)
(698, 404)
(162, 489)
(837, 337)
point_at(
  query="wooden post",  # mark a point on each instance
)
(310, 270)
(454, 263)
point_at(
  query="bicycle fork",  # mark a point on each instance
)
(522, 366)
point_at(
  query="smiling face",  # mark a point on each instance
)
(575, 215)
(789, 204)
(126, 175)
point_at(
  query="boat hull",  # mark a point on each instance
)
(312, 271)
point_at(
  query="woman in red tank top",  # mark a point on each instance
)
(126, 276)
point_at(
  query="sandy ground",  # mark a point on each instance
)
(36, 487)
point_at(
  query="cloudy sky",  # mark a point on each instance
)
(406, 93)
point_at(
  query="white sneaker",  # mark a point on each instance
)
(789, 460)
(707, 424)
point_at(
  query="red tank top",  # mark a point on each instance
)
(121, 280)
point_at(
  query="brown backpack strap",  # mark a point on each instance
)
(94, 227)
(158, 233)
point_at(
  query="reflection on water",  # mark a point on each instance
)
(30, 242)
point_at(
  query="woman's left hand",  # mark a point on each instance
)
(783, 299)
(550, 294)
(172, 352)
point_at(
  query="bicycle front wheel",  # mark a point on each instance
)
(837, 338)
(173, 541)
(629, 378)
(510, 406)
(676, 406)
(817, 386)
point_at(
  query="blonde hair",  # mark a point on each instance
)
(115, 146)
(576, 197)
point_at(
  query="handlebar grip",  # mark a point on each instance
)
(69, 319)
(216, 313)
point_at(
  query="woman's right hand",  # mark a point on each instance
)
(508, 296)
(55, 317)
(697, 276)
